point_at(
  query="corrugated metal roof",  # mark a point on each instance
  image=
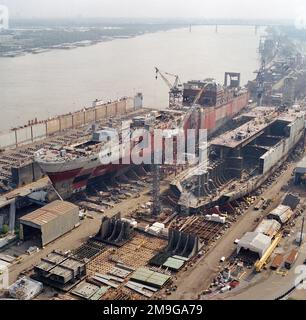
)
(283, 212)
(151, 277)
(254, 241)
(173, 263)
(49, 212)
(268, 227)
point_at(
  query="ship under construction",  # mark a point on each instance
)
(205, 104)
(242, 159)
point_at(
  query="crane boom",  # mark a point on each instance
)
(175, 89)
(163, 77)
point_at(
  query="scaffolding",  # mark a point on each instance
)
(156, 207)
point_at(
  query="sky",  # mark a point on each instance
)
(252, 9)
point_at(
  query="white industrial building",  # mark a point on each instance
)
(281, 214)
(268, 227)
(255, 242)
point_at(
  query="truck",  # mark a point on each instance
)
(291, 258)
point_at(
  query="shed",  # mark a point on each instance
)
(281, 214)
(291, 200)
(174, 263)
(151, 278)
(255, 242)
(49, 222)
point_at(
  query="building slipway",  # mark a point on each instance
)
(19, 144)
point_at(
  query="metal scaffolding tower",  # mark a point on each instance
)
(155, 173)
(260, 79)
(156, 207)
(289, 91)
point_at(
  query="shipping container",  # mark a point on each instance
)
(291, 258)
(277, 262)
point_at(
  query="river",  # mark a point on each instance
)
(60, 81)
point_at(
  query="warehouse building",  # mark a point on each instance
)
(268, 227)
(255, 242)
(49, 222)
(281, 214)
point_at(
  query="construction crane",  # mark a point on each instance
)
(175, 88)
(260, 79)
(192, 112)
(195, 123)
(261, 263)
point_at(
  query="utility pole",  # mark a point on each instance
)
(302, 230)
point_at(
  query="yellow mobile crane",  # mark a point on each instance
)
(260, 264)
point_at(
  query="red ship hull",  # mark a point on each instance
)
(212, 119)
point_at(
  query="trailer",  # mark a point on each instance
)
(291, 258)
(277, 262)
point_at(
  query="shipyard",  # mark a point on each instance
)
(117, 201)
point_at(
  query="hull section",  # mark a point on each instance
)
(73, 176)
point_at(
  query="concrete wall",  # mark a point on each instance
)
(24, 135)
(53, 126)
(39, 131)
(7, 139)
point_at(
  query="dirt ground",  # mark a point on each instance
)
(73, 239)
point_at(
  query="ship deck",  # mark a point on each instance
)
(262, 118)
(86, 147)
(240, 171)
(24, 155)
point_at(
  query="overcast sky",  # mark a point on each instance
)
(252, 9)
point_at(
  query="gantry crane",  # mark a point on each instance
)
(175, 89)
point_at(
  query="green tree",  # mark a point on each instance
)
(5, 229)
